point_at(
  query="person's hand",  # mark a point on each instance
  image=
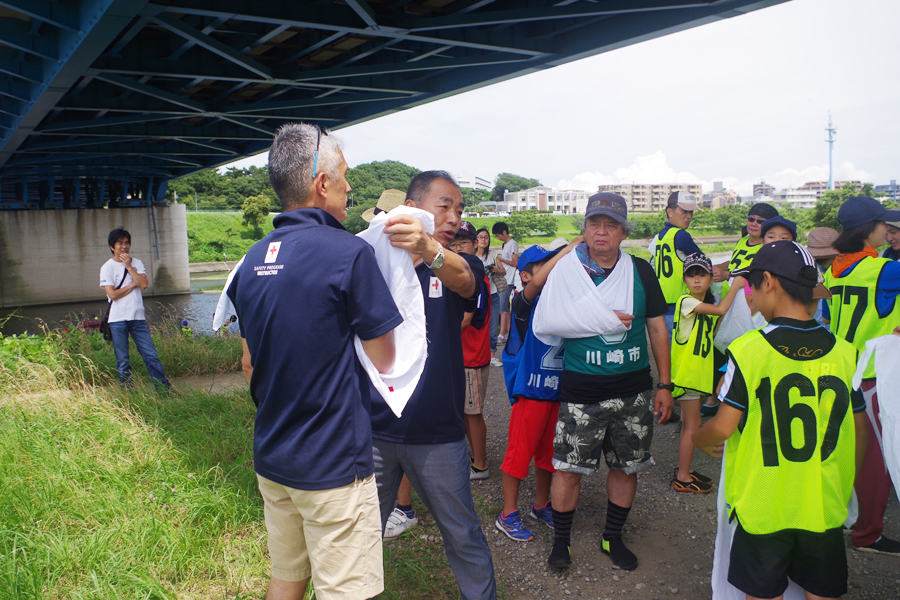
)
(714, 451)
(499, 269)
(719, 275)
(625, 318)
(738, 282)
(407, 233)
(663, 404)
(578, 240)
(126, 259)
(896, 331)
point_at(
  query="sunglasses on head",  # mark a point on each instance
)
(319, 134)
(756, 220)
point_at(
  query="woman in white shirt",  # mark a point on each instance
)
(496, 272)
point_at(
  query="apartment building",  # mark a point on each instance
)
(545, 199)
(649, 197)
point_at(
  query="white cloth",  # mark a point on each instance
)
(735, 323)
(721, 589)
(886, 352)
(490, 259)
(131, 306)
(224, 307)
(397, 385)
(509, 249)
(572, 306)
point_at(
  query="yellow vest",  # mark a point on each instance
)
(743, 254)
(669, 268)
(854, 316)
(791, 464)
(692, 362)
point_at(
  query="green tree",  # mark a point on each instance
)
(826, 210)
(512, 183)
(256, 209)
(473, 197)
(530, 222)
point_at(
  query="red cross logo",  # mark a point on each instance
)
(436, 285)
(273, 250)
(390, 388)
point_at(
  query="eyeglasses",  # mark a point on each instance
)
(319, 134)
(756, 220)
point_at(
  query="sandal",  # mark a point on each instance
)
(694, 487)
(695, 476)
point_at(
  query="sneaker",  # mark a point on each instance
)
(693, 486)
(501, 339)
(496, 362)
(397, 523)
(476, 474)
(559, 555)
(542, 514)
(621, 556)
(513, 527)
(707, 410)
(882, 546)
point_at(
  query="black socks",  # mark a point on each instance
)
(562, 530)
(615, 520)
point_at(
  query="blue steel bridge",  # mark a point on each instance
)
(102, 102)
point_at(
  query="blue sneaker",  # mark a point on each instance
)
(513, 527)
(542, 514)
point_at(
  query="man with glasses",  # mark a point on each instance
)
(302, 294)
(747, 246)
(673, 244)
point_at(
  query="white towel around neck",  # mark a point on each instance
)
(572, 306)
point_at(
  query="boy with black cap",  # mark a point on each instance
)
(532, 370)
(793, 449)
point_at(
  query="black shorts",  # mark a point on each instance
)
(761, 564)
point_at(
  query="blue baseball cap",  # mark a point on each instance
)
(535, 254)
(779, 220)
(860, 210)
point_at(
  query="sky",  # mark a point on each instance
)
(737, 101)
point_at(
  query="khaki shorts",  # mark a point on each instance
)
(338, 531)
(476, 388)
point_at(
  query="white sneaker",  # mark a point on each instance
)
(496, 362)
(397, 523)
(501, 339)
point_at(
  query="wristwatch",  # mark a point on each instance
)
(666, 386)
(438, 261)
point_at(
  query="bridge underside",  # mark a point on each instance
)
(103, 101)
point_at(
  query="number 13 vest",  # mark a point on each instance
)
(791, 463)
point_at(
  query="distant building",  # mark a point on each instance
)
(820, 187)
(751, 200)
(546, 199)
(649, 197)
(475, 183)
(719, 197)
(891, 191)
(796, 198)
(763, 189)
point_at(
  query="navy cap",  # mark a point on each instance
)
(698, 260)
(466, 231)
(860, 210)
(786, 259)
(605, 203)
(779, 220)
(534, 254)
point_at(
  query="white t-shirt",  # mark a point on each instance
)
(688, 317)
(131, 306)
(489, 259)
(509, 248)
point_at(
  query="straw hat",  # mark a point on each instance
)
(819, 240)
(389, 200)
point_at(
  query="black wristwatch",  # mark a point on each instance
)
(666, 386)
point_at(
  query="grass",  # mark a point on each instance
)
(116, 495)
(212, 234)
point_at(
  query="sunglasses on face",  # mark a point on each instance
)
(756, 220)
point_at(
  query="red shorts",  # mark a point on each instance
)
(532, 425)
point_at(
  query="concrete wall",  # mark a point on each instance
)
(51, 256)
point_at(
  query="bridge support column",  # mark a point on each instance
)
(54, 256)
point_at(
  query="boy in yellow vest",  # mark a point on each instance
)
(796, 436)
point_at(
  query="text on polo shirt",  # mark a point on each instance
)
(612, 356)
(262, 270)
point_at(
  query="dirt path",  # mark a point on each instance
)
(671, 533)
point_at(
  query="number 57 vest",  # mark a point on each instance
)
(790, 464)
(854, 314)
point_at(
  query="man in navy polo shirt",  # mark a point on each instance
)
(428, 442)
(302, 294)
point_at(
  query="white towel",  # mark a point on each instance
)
(572, 306)
(397, 385)
(886, 350)
(224, 306)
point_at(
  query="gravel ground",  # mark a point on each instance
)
(672, 533)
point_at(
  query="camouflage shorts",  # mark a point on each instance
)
(619, 429)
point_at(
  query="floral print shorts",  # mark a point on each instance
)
(619, 429)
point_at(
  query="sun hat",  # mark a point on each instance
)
(388, 201)
(819, 242)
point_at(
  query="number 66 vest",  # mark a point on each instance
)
(790, 464)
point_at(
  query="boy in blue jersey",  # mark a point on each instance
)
(532, 370)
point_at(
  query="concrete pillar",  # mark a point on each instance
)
(54, 256)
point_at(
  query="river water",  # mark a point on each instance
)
(197, 307)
